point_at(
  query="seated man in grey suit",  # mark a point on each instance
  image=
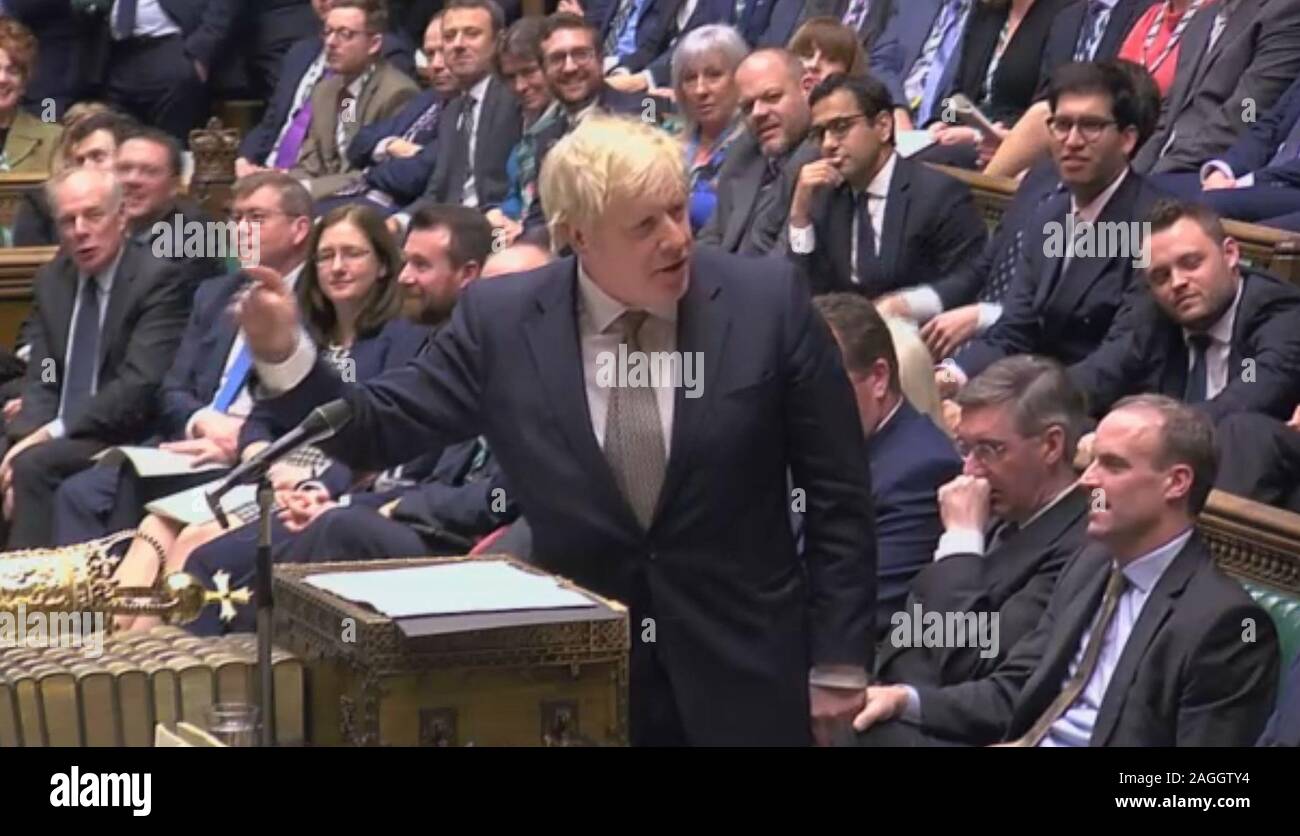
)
(1011, 522)
(362, 88)
(1145, 642)
(749, 215)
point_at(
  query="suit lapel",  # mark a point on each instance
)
(1022, 551)
(703, 324)
(552, 334)
(1154, 614)
(839, 228)
(892, 228)
(118, 300)
(745, 199)
(1191, 61)
(481, 146)
(62, 297)
(1077, 617)
(1083, 272)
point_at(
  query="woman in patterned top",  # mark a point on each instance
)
(704, 81)
(350, 299)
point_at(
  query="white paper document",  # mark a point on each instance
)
(190, 507)
(152, 461)
(910, 142)
(470, 586)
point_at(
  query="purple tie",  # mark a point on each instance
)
(291, 145)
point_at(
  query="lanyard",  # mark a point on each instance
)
(1174, 38)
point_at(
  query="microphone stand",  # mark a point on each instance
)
(261, 597)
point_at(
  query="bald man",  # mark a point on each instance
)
(517, 258)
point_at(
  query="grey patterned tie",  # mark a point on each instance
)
(634, 439)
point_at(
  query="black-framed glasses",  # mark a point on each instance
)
(580, 55)
(347, 36)
(835, 127)
(1090, 127)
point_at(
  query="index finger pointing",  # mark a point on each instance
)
(266, 278)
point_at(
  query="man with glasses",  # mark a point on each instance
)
(362, 89)
(105, 321)
(393, 158)
(277, 140)
(862, 218)
(1011, 520)
(1081, 251)
(571, 61)
(206, 394)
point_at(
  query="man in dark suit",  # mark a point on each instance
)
(1073, 278)
(1258, 178)
(394, 157)
(867, 18)
(206, 393)
(909, 456)
(106, 319)
(925, 38)
(676, 505)
(1011, 522)
(482, 124)
(650, 65)
(1143, 641)
(277, 139)
(1208, 332)
(148, 167)
(864, 219)
(154, 57)
(61, 72)
(1235, 61)
(749, 218)
(1264, 462)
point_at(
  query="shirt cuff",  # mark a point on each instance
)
(959, 541)
(990, 312)
(1246, 181)
(955, 370)
(278, 378)
(56, 428)
(1219, 166)
(381, 148)
(24, 353)
(912, 712)
(612, 68)
(803, 239)
(838, 676)
(923, 302)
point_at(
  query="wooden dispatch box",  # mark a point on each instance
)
(522, 678)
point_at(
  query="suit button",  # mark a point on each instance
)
(652, 556)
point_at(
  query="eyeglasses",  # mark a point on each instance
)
(984, 450)
(347, 36)
(835, 127)
(581, 55)
(349, 254)
(1090, 127)
(256, 216)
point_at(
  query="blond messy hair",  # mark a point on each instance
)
(605, 158)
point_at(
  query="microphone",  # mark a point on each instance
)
(322, 423)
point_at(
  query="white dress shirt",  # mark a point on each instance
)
(1074, 727)
(345, 116)
(469, 197)
(1219, 351)
(71, 354)
(151, 21)
(803, 240)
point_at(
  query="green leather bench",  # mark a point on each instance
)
(1260, 546)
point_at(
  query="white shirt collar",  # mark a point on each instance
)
(1093, 210)
(891, 414)
(1110, 4)
(291, 278)
(1145, 571)
(479, 90)
(104, 278)
(603, 309)
(879, 185)
(357, 83)
(1221, 330)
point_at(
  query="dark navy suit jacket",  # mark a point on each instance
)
(403, 179)
(1283, 727)
(739, 616)
(261, 139)
(1063, 36)
(910, 459)
(192, 381)
(1255, 148)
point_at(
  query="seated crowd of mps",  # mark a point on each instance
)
(1108, 324)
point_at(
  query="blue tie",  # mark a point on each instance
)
(124, 18)
(84, 357)
(234, 380)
